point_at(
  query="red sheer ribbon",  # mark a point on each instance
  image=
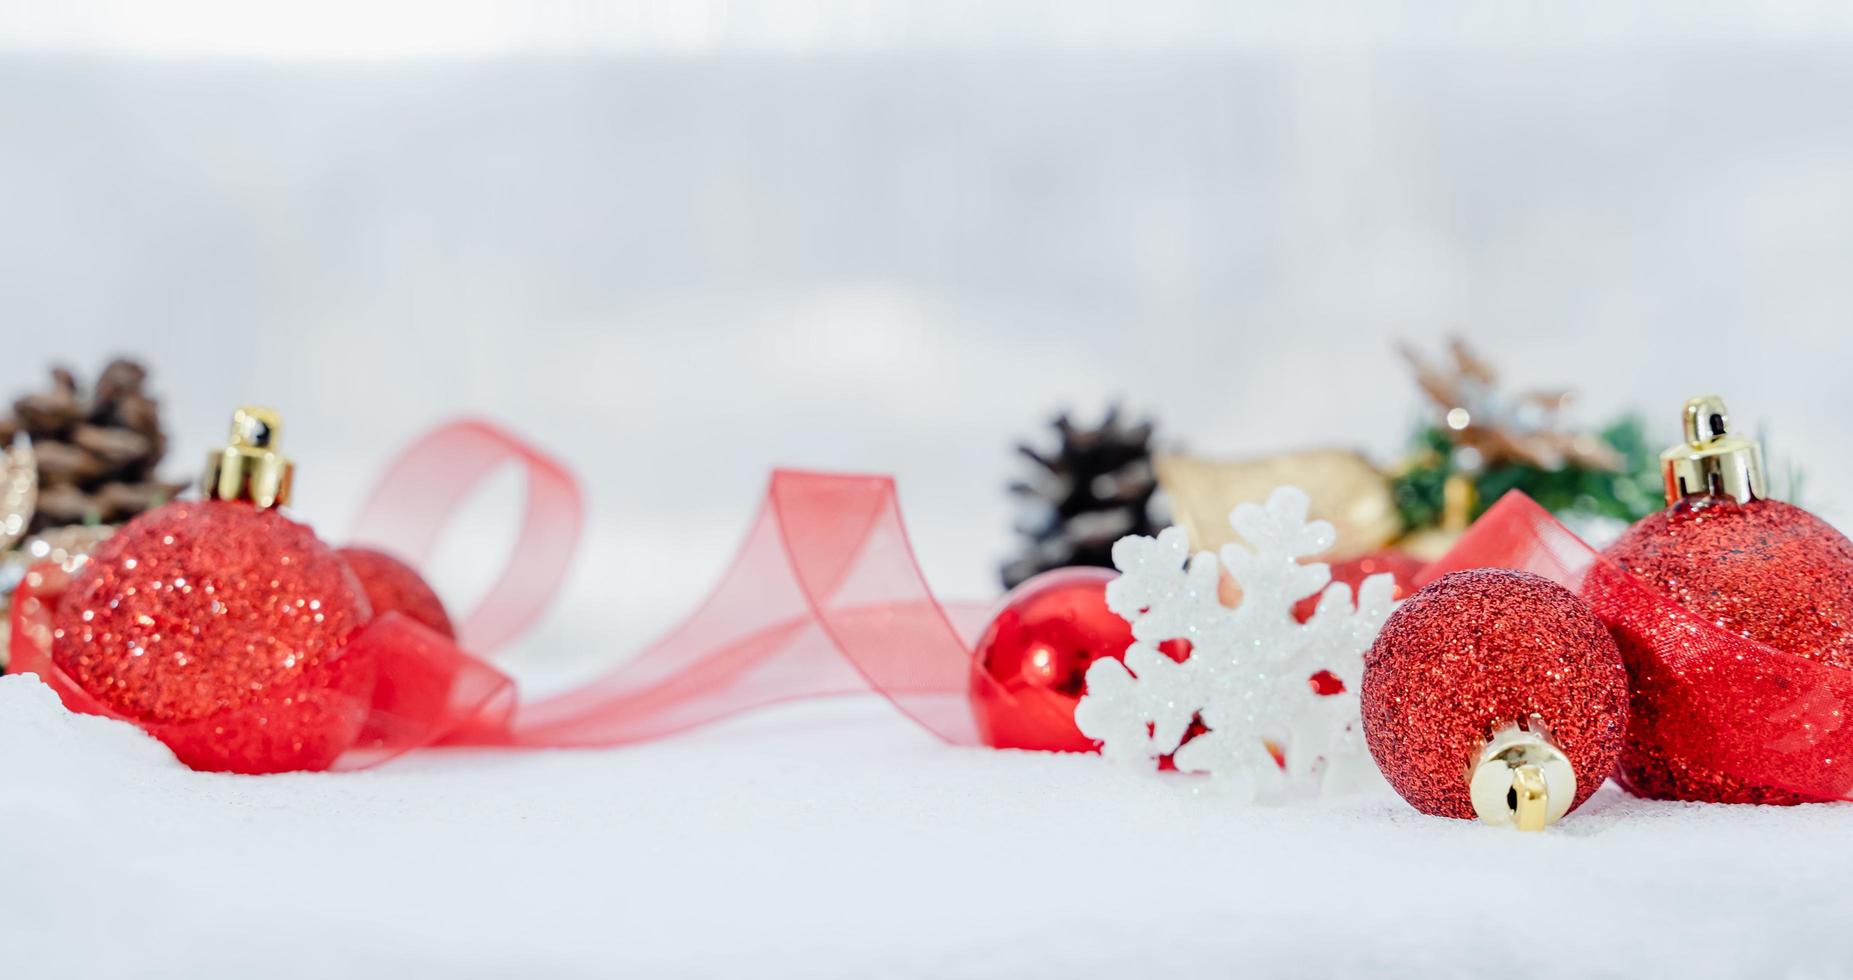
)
(1717, 700)
(824, 598)
(419, 495)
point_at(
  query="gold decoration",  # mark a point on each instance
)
(1712, 460)
(1522, 780)
(1524, 429)
(1345, 488)
(249, 468)
(67, 546)
(19, 492)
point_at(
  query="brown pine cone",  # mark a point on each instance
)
(121, 379)
(65, 464)
(139, 413)
(121, 501)
(62, 504)
(97, 448)
(115, 449)
(48, 415)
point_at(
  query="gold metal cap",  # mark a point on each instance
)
(1522, 780)
(1712, 461)
(249, 468)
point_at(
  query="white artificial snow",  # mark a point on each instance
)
(1247, 675)
(835, 840)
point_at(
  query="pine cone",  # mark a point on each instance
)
(48, 415)
(97, 450)
(61, 505)
(1095, 489)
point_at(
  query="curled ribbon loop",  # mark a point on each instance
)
(824, 598)
(1703, 697)
(420, 493)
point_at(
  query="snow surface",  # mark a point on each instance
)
(836, 841)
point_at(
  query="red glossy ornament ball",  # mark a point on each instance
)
(1475, 652)
(393, 586)
(1031, 663)
(1765, 570)
(220, 628)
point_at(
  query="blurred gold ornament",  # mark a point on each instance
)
(1491, 430)
(1345, 488)
(19, 492)
(67, 546)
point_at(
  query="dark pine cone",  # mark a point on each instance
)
(97, 450)
(1096, 488)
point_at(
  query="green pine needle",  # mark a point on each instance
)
(1628, 495)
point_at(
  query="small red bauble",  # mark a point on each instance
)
(393, 586)
(220, 627)
(1765, 570)
(1479, 652)
(1035, 655)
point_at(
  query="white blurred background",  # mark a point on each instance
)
(681, 244)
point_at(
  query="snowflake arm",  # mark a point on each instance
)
(1139, 709)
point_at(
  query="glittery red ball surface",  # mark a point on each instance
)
(220, 627)
(393, 586)
(1766, 570)
(1476, 651)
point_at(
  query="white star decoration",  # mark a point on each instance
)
(1249, 674)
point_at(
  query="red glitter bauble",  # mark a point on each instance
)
(393, 586)
(1765, 570)
(1037, 651)
(220, 627)
(1477, 651)
(1402, 567)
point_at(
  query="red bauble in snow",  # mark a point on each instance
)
(1031, 662)
(1485, 672)
(1764, 570)
(220, 628)
(393, 586)
(1714, 722)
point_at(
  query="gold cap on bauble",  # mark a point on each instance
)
(249, 468)
(1522, 779)
(1713, 461)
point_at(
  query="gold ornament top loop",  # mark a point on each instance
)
(1713, 461)
(1522, 779)
(249, 468)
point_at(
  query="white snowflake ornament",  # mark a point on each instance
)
(1248, 677)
